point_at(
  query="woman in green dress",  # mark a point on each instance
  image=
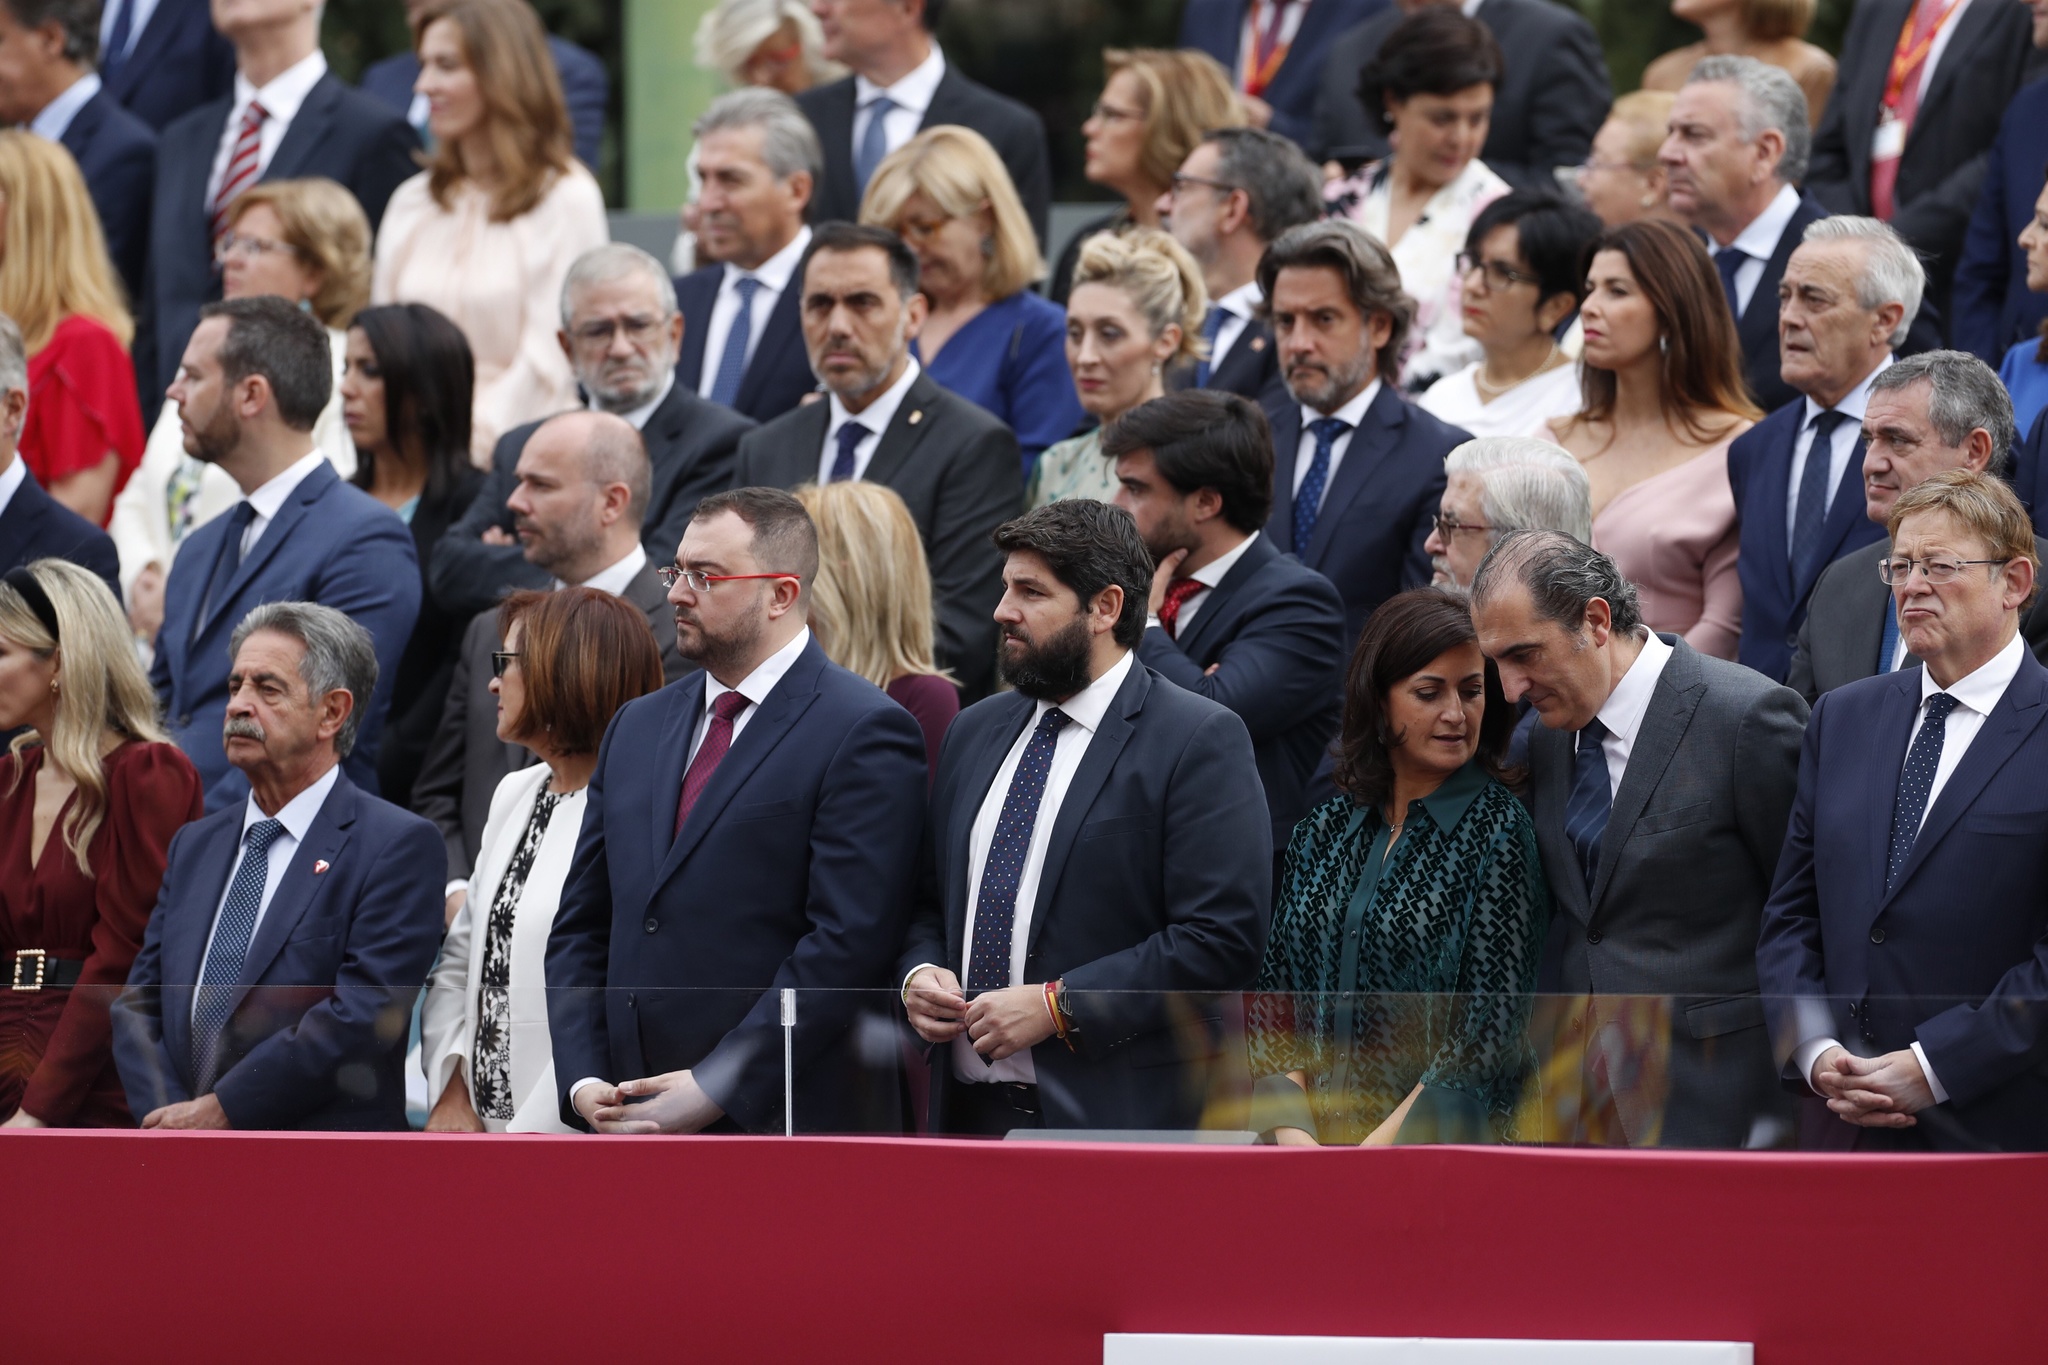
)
(1394, 998)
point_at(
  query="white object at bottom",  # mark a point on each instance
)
(1149, 1348)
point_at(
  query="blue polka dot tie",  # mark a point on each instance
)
(1916, 782)
(1308, 499)
(231, 935)
(995, 907)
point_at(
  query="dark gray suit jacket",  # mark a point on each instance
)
(957, 470)
(1685, 866)
(1844, 626)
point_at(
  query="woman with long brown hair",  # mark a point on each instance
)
(1662, 398)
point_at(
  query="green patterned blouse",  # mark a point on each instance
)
(1385, 970)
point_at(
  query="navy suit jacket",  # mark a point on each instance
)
(35, 526)
(2030, 473)
(1154, 898)
(1250, 369)
(793, 870)
(1955, 955)
(1377, 511)
(116, 152)
(330, 543)
(585, 88)
(779, 372)
(178, 62)
(317, 1038)
(1774, 590)
(1993, 306)
(1217, 28)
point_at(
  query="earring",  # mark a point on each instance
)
(1649, 201)
(1664, 345)
(988, 247)
(53, 687)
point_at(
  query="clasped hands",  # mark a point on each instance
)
(675, 1104)
(204, 1112)
(1000, 1023)
(1873, 1092)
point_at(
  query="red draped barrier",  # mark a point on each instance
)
(246, 1247)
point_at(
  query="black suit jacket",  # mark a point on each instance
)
(1250, 369)
(957, 470)
(116, 152)
(35, 526)
(1552, 99)
(1217, 28)
(779, 372)
(2030, 473)
(178, 62)
(1017, 134)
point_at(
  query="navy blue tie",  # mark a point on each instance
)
(1308, 499)
(1916, 782)
(225, 564)
(732, 363)
(1728, 260)
(850, 435)
(116, 50)
(1810, 513)
(223, 969)
(1212, 327)
(1592, 800)
(874, 142)
(1888, 642)
(995, 905)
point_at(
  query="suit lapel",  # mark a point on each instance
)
(1256, 556)
(1777, 483)
(1887, 740)
(308, 128)
(1672, 703)
(300, 885)
(778, 334)
(1551, 758)
(1377, 433)
(1862, 632)
(794, 460)
(185, 933)
(912, 420)
(310, 490)
(1286, 424)
(1954, 60)
(1844, 513)
(1240, 371)
(696, 293)
(21, 520)
(671, 757)
(1103, 749)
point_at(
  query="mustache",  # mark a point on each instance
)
(242, 727)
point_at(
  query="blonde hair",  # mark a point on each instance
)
(1644, 114)
(734, 30)
(871, 603)
(323, 223)
(1157, 275)
(104, 687)
(1771, 19)
(1986, 506)
(961, 174)
(524, 117)
(1187, 94)
(54, 264)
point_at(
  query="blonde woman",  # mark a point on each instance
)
(871, 603)
(985, 335)
(303, 240)
(83, 434)
(487, 232)
(90, 796)
(1623, 181)
(1135, 311)
(1772, 31)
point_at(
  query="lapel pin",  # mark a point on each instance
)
(1258, 343)
(917, 417)
(319, 866)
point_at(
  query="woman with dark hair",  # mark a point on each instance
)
(1661, 397)
(1395, 990)
(1520, 278)
(405, 397)
(2024, 371)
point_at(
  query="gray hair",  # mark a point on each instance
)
(1891, 272)
(1563, 577)
(731, 32)
(1965, 396)
(1527, 485)
(1771, 102)
(340, 656)
(13, 356)
(1284, 186)
(788, 142)
(616, 261)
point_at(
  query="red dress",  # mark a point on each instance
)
(81, 404)
(56, 1054)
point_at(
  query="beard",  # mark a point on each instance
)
(718, 654)
(618, 390)
(1052, 670)
(557, 548)
(1324, 388)
(217, 440)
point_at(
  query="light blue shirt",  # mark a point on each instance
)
(55, 118)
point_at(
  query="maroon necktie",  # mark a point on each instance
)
(240, 172)
(717, 739)
(1177, 593)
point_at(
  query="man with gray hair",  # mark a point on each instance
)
(34, 525)
(294, 928)
(1497, 484)
(1925, 414)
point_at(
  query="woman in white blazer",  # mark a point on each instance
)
(571, 659)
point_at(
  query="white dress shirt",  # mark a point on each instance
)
(615, 578)
(297, 818)
(1238, 306)
(876, 417)
(638, 416)
(1626, 706)
(1840, 447)
(911, 95)
(53, 120)
(270, 498)
(774, 275)
(1305, 450)
(143, 9)
(11, 479)
(1209, 575)
(1758, 241)
(281, 100)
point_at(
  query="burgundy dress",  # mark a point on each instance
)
(934, 701)
(56, 1055)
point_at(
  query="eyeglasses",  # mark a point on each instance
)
(701, 582)
(1500, 276)
(1181, 182)
(501, 660)
(241, 243)
(1586, 168)
(601, 333)
(1897, 572)
(1447, 528)
(1104, 112)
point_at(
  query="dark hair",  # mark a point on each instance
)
(1563, 576)
(1404, 634)
(1088, 545)
(284, 344)
(429, 377)
(838, 236)
(1284, 186)
(1204, 438)
(79, 19)
(1434, 51)
(785, 537)
(1370, 277)
(583, 654)
(1550, 233)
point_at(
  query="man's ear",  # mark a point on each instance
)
(334, 710)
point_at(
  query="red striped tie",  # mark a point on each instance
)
(241, 168)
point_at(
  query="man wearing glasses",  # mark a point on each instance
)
(1497, 484)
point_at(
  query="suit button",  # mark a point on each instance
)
(652, 924)
(1877, 935)
(1852, 1009)
(1592, 936)
(1792, 640)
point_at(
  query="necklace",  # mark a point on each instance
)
(1489, 392)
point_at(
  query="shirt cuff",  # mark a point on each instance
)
(575, 1089)
(1927, 1069)
(1809, 1054)
(456, 884)
(903, 991)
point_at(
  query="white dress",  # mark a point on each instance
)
(1521, 411)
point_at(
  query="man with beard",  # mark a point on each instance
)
(253, 379)
(1098, 869)
(1497, 484)
(955, 467)
(751, 828)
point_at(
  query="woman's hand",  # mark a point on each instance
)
(454, 1113)
(1294, 1137)
(1390, 1127)
(21, 1118)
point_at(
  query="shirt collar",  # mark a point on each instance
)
(1855, 402)
(638, 416)
(877, 415)
(1629, 702)
(756, 686)
(777, 269)
(1242, 301)
(1351, 413)
(297, 815)
(616, 578)
(287, 89)
(1980, 691)
(913, 91)
(1210, 574)
(11, 479)
(1087, 707)
(1760, 239)
(270, 498)
(54, 119)
(1447, 805)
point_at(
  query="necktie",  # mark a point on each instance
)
(1308, 499)
(717, 739)
(231, 934)
(850, 435)
(1177, 594)
(225, 564)
(732, 364)
(1592, 800)
(241, 168)
(1728, 260)
(1888, 641)
(995, 907)
(1916, 782)
(1212, 327)
(115, 51)
(874, 142)
(1810, 513)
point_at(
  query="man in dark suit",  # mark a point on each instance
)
(34, 525)
(1274, 51)
(902, 84)
(1236, 192)
(293, 930)
(1660, 781)
(1098, 866)
(750, 829)
(1849, 292)
(742, 344)
(954, 466)
(252, 382)
(161, 59)
(1905, 944)
(1994, 309)
(620, 331)
(585, 87)
(287, 117)
(2030, 473)
(1924, 415)
(1552, 99)
(1357, 472)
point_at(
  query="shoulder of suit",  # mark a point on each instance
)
(822, 97)
(187, 130)
(929, 397)
(1740, 686)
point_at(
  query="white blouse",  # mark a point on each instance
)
(1521, 411)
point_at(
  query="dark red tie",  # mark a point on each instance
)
(1177, 593)
(717, 739)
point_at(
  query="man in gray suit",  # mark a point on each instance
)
(1661, 781)
(1926, 414)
